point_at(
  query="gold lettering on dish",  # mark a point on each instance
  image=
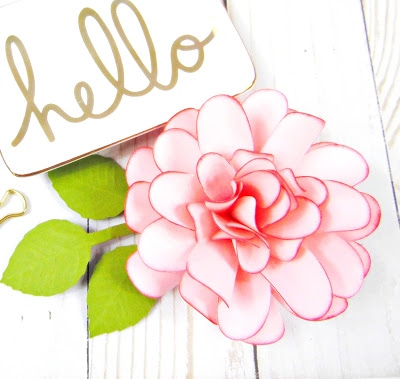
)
(83, 92)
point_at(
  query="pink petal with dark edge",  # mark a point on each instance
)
(334, 162)
(354, 235)
(257, 164)
(216, 177)
(176, 150)
(232, 228)
(263, 185)
(292, 138)
(298, 223)
(338, 306)
(273, 328)
(150, 282)
(253, 255)
(245, 313)
(205, 226)
(275, 212)
(184, 120)
(170, 194)
(340, 261)
(241, 157)
(214, 264)
(141, 166)
(302, 283)
(199, 297)
(364, 256)
(244, 211)
(313, 189)
(344, 209)
(138, 211)
(222, 127)
(264, 109)
(165, 246)
(284, 250)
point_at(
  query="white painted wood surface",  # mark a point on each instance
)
(316, 52)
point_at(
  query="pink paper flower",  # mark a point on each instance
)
(239, 207)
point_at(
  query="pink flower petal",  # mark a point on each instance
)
(244, 211)
(232, 228)
(264, 109)
(222, 127)
(176, 150)
(364, 256)
(253, 255)
(245, 313)
(354, 235)
(184, 120)
(199, 297)
(302, 284)
(214, 264)
(313, 189)
(256, 164)
(263, 185)
(165, 246)
(338, 306)
(150, 282)
(340, 261)
(216, 177)
(205, 226)
(284, 250)
(298, 223)
(141, 166)
(292, 138)
(276, 211)
(344, 209)
(241, 157)
(273, 328)
(170, 194)
(334, 162)
(138, 211)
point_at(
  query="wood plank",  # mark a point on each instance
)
(316, 53)
(382, 20)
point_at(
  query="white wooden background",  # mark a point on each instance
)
(338, 59)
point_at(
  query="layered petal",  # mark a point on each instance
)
(253, 255)
(246, 311)
(222, 127)
(273, 328)
(184, 120)
(282, 249)
(264, 109)
(216, 177)
(214, 264)
(344, 209)
(138, 211)
(150, 282)
(141, 166)
(172, 192)
(340, 261)
(298, 223)
(199, 297)
(296, 132)
(176, 150)
(165, 246)
(302, 283)
(338, 306)
(340, 163)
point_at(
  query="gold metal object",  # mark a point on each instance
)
(21, 197)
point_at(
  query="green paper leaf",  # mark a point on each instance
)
(94, 186)
(113, 302)
(50, 258)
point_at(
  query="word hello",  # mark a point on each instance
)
(83, 93)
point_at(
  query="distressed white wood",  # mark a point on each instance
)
(316, 52)
(382, 20)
